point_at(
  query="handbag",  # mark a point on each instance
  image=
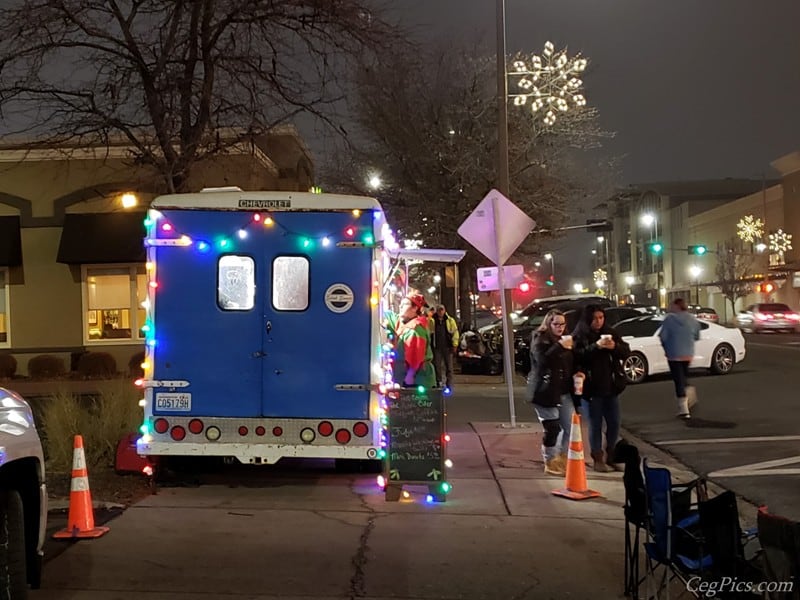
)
(618, 380)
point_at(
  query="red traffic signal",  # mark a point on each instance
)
(524, 287)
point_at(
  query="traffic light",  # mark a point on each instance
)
(698, 250)
(551, 281)
(524, 287)
(655, 247)
(767, 288)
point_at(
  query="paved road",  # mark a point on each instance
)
(744, 434)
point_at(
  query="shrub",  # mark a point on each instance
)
(46, 366)
(102, 419)
(135, 365)
(8, 366)
(97, 365)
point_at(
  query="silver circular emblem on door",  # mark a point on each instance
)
(339, 298)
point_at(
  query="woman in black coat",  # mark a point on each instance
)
(549, 387)
(599, 352)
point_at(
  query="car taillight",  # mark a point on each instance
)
(763, 316)
(794, 316)
(196, 426)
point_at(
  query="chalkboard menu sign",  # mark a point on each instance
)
(416, 451)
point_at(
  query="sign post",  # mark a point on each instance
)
(496, 215)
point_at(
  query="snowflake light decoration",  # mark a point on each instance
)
(600, 275)
(780, 241)
(750, 229)
(550, 83)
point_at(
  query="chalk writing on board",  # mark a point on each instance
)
(416, 428)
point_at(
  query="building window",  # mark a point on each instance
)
(290, 283)
(113, 299)
(236, 282)
(4, 337)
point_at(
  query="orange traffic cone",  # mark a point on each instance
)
(575, 486)
(81, 513)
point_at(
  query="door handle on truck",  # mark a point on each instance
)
(259, 354)
(269, 326)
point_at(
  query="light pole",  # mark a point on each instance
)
(696, 272)
(503, 186)
(549, 256)
(651, 220)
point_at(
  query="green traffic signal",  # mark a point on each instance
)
(655, 247)
(698, 250)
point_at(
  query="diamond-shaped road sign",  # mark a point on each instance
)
(498, 242)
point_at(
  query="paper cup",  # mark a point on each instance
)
(577, 380)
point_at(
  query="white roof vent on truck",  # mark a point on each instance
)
(227, 188)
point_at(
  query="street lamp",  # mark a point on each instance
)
(549, 256)
(578, 287)
(695, 272)
(651, 220)
(375, 182)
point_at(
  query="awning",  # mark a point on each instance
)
(428, 254)
(102, 238)
(10, 243)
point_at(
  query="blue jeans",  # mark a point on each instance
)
(599, 409)
(563, 414)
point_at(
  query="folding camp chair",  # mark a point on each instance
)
(672, 522)
(635, 511)
(780, 555)
(721, 537)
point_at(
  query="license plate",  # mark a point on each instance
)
(175, 402)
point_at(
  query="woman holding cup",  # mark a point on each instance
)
(599, 352)
(549, 385)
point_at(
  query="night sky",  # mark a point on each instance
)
(694, 89)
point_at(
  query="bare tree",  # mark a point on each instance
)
(733, 271)
(168, 75)
(427, 123)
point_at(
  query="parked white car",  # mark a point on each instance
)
(718, 349)
(23, 498)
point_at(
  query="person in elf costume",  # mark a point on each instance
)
(408, 329)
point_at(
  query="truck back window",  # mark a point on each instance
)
(236, 282)
(290, 283)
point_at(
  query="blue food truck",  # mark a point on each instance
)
(263, 325)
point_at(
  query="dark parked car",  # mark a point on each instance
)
(614, 314)
(490, 344)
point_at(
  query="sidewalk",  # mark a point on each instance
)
(501, 534)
